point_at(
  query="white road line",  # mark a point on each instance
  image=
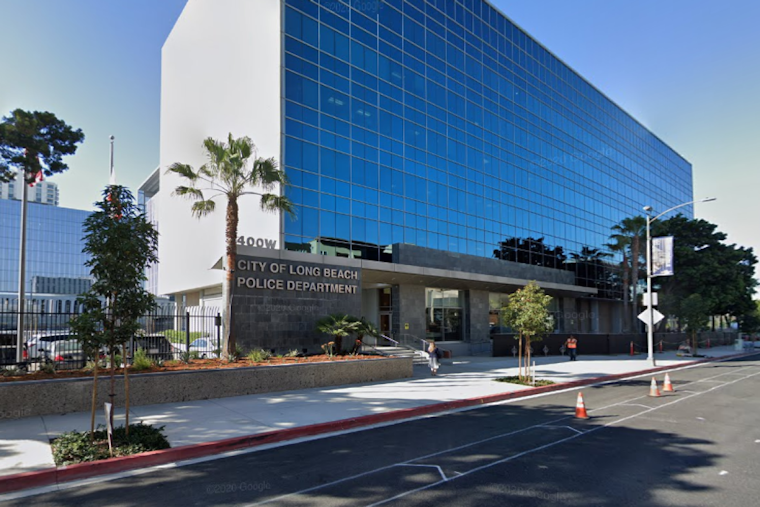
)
(634, 405)
(427, 466)
(562, 428)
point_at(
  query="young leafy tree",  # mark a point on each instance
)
(527, 312)
(87, 327)
(231, 171)
(34, 143)
(120, 244)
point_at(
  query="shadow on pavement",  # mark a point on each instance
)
(515, 454)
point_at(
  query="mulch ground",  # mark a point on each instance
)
(195, 364)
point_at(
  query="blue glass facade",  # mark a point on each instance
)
(54, 244)
(442, 124)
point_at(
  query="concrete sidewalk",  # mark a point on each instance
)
(24, 443)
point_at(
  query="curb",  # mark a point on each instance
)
(53, 476)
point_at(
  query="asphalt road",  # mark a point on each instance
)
(697, 447)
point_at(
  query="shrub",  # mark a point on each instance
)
(524, 381)
(141, 361)
(293, 353)
(258, 356)
(10, 371)
(329, 349)
(186, 356)
(48, 368)
(76, 447)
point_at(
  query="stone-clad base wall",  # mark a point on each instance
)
(44, 397)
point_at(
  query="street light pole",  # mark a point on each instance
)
(650, 323)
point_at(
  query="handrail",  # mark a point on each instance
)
(422, 343)
(389, 339)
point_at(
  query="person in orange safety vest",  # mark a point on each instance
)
(572, 347)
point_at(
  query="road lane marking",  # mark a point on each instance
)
(562, 427)
(440, 471)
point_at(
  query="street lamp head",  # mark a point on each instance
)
(647, 208)
(708, 199)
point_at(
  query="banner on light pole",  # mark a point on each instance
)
(662, 256)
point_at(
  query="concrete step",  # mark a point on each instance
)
(419, 358)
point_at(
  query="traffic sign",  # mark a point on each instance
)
(655, 315)
(647, 298)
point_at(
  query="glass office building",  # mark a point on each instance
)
(439, 134)
(54, 258)
(443, 125)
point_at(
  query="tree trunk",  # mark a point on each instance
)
(519, 357)
(635, 254)
(527, 357)
(230, 345)
(626, 294)
(126, 390)
(94, 396)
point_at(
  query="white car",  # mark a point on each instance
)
(206, 348)
(62, 349)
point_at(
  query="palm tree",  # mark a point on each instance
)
(229, 173)
(364, 328)
(338, 325)
(621, 244)
(633, 228)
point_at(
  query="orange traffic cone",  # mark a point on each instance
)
(580, 408)
(653, 390)
(667, 387)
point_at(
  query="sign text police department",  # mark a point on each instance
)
(332, 284)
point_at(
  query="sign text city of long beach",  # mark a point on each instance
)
(279, 268)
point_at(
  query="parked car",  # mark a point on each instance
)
(62, 349)
(156, 347)
(206, 348)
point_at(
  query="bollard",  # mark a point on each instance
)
(514, 351)
(546, 350)
(631, 348)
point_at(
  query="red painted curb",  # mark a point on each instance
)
(52, 476)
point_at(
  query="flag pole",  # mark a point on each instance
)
(112, 178)
(21, 271)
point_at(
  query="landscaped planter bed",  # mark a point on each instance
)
(25, 398)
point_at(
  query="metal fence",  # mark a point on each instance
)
(166, 334)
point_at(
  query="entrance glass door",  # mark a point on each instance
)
(443, 315)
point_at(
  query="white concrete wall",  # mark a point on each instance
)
(220, 74)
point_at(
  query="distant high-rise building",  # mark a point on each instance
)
(44, 192)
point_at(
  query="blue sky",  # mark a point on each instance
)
(688, 70)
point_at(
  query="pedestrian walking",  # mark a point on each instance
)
(572, 346)
(434, 358)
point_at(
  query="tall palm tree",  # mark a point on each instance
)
(232, 170)
(633, 228)
(621, 243)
